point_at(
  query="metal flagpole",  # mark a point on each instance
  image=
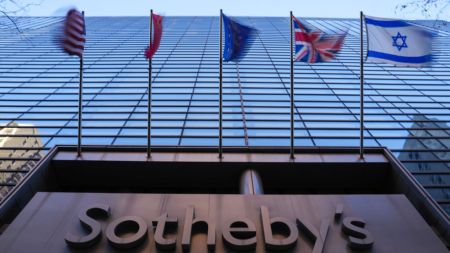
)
(220, 87)
(149, 93)
(292, 91)
(361, 88)
(80, 102)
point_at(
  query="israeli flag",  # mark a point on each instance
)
(398, 42)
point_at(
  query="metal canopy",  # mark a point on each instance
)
(199, 170)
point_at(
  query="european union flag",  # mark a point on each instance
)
(238, 38)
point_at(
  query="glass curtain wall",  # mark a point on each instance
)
(407, 109)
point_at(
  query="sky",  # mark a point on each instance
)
(304, 8)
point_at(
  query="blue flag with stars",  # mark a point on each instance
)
(398, 42)
(238, 39)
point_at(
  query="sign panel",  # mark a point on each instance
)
(107, 222)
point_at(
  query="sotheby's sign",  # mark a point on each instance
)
(107, 222)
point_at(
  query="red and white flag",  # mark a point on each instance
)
(314, 46)
(74, 31)
(157, 34)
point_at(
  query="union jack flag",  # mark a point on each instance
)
(313, 46)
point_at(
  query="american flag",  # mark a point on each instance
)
(313, 46)
(74, 31)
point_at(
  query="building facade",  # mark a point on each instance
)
(406, 109)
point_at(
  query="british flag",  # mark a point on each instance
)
(313, 46)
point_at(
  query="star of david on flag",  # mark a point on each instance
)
(398, 42)
(402, 43)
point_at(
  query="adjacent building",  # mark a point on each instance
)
(20, 150)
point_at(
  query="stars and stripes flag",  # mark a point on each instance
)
(313, 46)
(73, 37)
(156, 37)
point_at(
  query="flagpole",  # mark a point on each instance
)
(292, 90)
(361, 88)
(149, 93)
(220, 88)
(80, 102)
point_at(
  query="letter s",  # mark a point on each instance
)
(91, 225)
(360, 238)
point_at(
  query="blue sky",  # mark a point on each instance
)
(305, 8)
